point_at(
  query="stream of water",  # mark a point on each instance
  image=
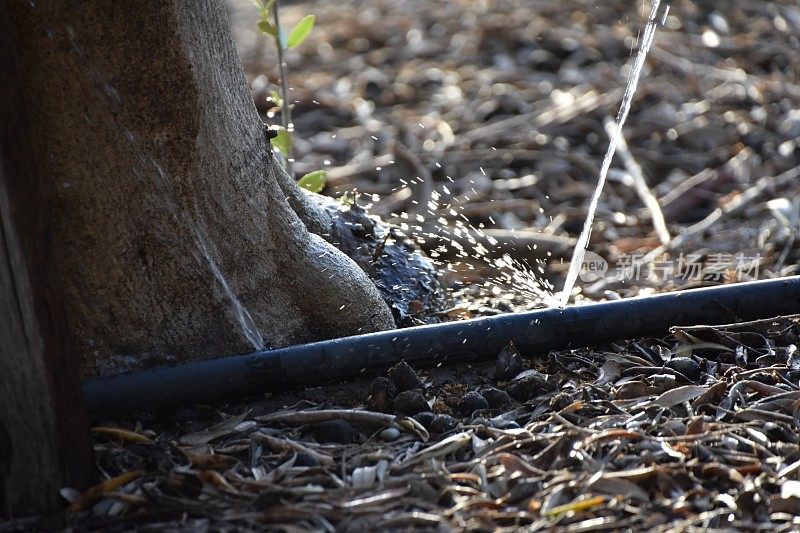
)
(630, 89)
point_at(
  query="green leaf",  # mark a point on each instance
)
(282, 142)
(313, 181)
(300, 32)
(266, 27)
(263, 9)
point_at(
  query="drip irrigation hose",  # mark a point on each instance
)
(533, 333)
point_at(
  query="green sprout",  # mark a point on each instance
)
(269, 24)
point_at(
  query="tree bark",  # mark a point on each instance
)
(44, 442)
(172, 236)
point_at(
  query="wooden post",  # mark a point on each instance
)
(44, 443)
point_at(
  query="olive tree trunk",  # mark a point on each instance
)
(174, 233)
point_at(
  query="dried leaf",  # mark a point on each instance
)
(216, 480)
(121, 434)
(680, 395)
(211, 461)
(580, 505)
(93, 494)
(231, 425)
(620, 487)
(440, 449)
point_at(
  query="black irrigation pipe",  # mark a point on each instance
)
(533, 333)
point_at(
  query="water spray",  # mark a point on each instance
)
(630, 89)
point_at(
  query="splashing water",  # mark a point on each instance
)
(517, 277)
(630, 89)
(242, 315)
(512, 280)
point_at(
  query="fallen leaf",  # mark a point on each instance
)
(121, 434)
(95, 493)
(211, 461)
(680, 395)
(581, 505)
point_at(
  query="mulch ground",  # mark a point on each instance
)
(492, 114)
(698, 430)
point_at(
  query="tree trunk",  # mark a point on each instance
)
(44, 442)
(172, 236)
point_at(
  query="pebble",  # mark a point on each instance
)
(425, 418)
(443, 424)
(389, 434)
(523, 490)
(339, 431)
(471, 402)
(423, 490)
(686, 366)
(497, 398)
(410, 403)
(382, 392)
(404, 377)
(304, 459)
(530, 384)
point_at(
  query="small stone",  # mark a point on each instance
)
(685, 366)
(471, 402)
(389, 434)
(304, 459)
(423, 490)
(382, 393)
(502, 423)
(404, 377)
(410, 403)
(339, 431)
(443, 424)
(530, 384)
(425, 418)
(523, 490)
(497, 398)
(509, 363)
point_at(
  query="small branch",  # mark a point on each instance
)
(278, 444)
(645, 194)
(367, 418)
